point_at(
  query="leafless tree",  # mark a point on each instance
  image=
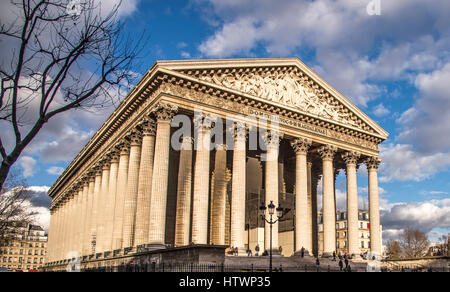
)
(414, 243)
(13, 206)
(393, 249)
(62, 58)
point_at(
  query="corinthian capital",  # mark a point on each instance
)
(135, 138)
(372, 162)
(327, 152)
(123, 146)
(164, 111)
(351, 157)
(271, 138)
(148, 126)
(301, 145)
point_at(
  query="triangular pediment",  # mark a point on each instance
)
(287, 82)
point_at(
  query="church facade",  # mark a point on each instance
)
(198, 146)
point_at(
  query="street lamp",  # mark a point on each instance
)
(271, 210)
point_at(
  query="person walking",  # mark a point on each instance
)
(302, 252)
(341, 265)
(334, 256)
(280, 249)
(257, 250)
(317, 263)
(346, 262)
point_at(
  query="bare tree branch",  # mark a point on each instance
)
(48, 66)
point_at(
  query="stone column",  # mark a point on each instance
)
(158, 202)
(57, 246)
(95, 208)
(301, 147)
(200, 204)
(101, 213)
(78, 230)
(111, 201)
(183, 215)
(351, 160)
(271, 188)
(69, 225)
(374, 205)
(84, 216)
(132, 190)
(89, 217)
(238, 189)
(145, 182)
(84, 219)
(221, 180)
(122, 178)
(328, 210)
(67, 221)
(62, 207)
(309, 212)
(315, 174)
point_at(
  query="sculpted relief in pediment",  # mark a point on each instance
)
(288, 87)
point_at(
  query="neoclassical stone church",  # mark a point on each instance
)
(130, 188)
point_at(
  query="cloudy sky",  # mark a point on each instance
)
(395, 66)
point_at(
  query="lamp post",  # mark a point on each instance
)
(280, 213)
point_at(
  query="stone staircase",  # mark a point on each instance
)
(289, 264)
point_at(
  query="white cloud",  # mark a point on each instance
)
(425, 122)
(28, 165)
(381, 111)
(433, 193)
(55, 170)
(185, 55)
(401, 162)
(126, 8)
(424, 215)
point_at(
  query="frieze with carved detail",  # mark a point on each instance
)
(287, 86)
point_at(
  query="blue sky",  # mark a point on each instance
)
(395, 66)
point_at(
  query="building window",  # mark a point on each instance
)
(362, 244)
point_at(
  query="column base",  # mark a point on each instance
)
(275, 253)
(299, 253)
(327, 255)
(155, 246)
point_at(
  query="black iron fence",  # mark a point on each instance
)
(205, 268)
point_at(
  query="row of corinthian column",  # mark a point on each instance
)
(121, 202)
